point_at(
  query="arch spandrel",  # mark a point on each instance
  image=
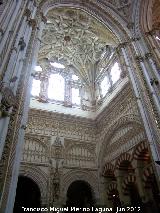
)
(116, 126)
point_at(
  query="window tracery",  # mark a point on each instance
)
(63, 86)
(82, 57)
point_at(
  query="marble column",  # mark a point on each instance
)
(24, 107)
(14, 70)
(140, 183)
(148, 78)
(68, 93)
(11, 36)
(144, 105)
(151, 62)
(9, 23)
(43, 95)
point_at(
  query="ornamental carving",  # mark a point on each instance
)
(8, 100)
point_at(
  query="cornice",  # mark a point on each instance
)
(118, 99)
(60, 116)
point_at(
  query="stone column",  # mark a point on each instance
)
(6, 22)
(13, 70)
(11, 37)
(149, 58)
(148, 78)
(68, 93)
(154, 44)
(9, 23)
(43, 95)
(140, 183)
(125, 199)
(16, 136)
(17, 47)
(122, 64)
(144, 104)
(107, 203)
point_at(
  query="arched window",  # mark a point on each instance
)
(35, 87)
(105, 84)
(56, 87)
(75, 96)
(115, 73)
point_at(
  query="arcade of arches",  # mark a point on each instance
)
(80, 104)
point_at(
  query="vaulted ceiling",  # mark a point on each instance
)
(77, 40)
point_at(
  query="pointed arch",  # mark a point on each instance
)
(124, 161)
(141, 152)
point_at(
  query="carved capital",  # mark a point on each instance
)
(27, 13)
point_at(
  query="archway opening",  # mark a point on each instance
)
(134, 196)
(80, 195)
(27, 194)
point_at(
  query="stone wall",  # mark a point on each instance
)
(82, 147)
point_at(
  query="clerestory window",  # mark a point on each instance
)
(105, 85)
(35, 87)
(115, 73)
(56, 87)
(75, 96)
